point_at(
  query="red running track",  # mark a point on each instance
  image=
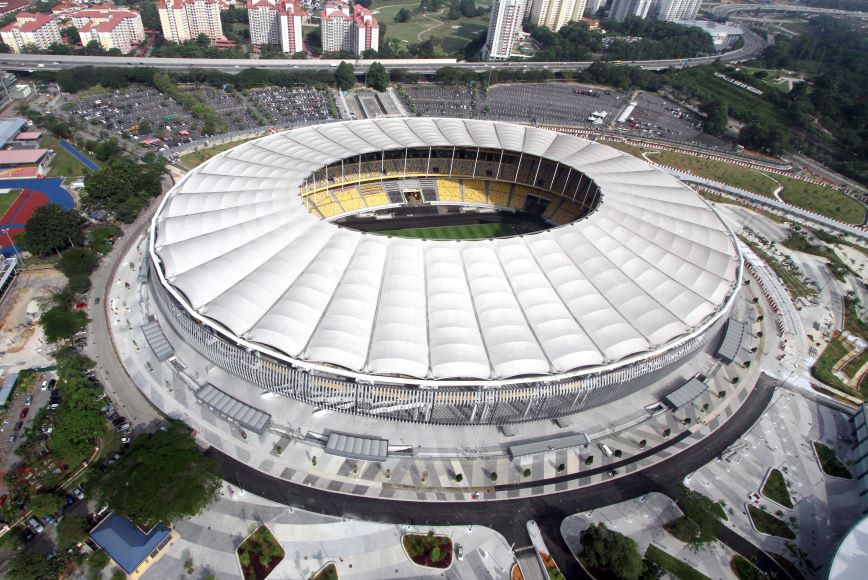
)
(15, 218)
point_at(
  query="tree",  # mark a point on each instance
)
(75, 261)
(345, 76)
(30, 566)
(97, 561)
(123, 187)
(45, 503)
(716, 116)
(163, 477)
(60, 323)
(52, 228)
(71, 530)
(203, 40)
(71, 34)
(403, 15)
(378, 77)
(702, 512)
(604, 549)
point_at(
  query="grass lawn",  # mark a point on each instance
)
(852, 322)
(452, 34)
(627, 148)
(769, 524)
(776, 489)
(195, 158)
(851, 368)
(727, 173)
(675, 567)
(822, 369)
(468, 232)
(822, 200)
(830, 463)
(63, 164)
(7, 199)
(744, 569)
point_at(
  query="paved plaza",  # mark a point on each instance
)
(358, 549)
(824, 507)
(642, 520)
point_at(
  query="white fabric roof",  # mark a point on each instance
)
(651, 265)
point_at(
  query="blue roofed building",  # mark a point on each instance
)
(9, 128)
(131, 548)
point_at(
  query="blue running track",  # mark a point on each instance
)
(79, 155)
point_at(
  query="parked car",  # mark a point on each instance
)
(13, 438)
(125, 440)
(18, 426)
(44, 386)
(459, 551)
(70, 499)
(52, 383)
(29, 400)
(23, 413)
(77, 493)
(36, 525)
(49, 519)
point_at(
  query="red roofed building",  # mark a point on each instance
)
(39, 30)
(121, 29)
(342, 30)
(10, 6)
(38, 158)
(276, 22)
(366, 30)
(186, 19)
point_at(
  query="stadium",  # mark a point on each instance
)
(441, 271)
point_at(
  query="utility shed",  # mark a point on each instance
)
(685, 393)
(157, 341)
(547, 445)
(241, 413)
(731, 342)
(363, 448)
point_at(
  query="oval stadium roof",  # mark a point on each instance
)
(653, 264)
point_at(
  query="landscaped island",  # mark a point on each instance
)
(429, 550)
(259, 554)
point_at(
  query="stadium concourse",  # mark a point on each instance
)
(276, 313)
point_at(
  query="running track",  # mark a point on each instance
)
(36, 192)
(79, 155)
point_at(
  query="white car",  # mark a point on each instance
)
(77, 493)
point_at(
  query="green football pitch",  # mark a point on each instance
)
(468, 232)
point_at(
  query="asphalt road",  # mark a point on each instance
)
(509, 516)
(753, 46)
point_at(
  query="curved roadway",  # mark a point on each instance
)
(509, 516)
(753, 46)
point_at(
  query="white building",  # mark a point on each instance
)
(722, 35)
(343, 30)
(121, 29)
(31, 29)
(504, 28)
(622, 9)
(678, 9)
(555, 14)
(186, 19)
(278, 23)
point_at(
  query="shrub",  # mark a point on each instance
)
(493, 477)
(527, 472)
(459, 478)
(642, 444)
(589, 460)
(618, 453)
(667, 432)
(561, 467)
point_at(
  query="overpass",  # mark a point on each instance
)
(725, 10)
(753, 47)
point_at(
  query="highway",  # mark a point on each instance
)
(753, 46)
(726, 10)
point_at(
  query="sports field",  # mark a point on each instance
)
(7, 198)
(468, 232)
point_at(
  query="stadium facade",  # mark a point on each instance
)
(622, 273)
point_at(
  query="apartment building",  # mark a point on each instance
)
(121, 29)
(278, 23)
(621, 9)
(186, 19)
(348, 30)
(672, 10)
(555, 14)
(504, 28)
(31, 29)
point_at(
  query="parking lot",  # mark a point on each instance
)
(550, 103)
(655, 116)
(158, 121)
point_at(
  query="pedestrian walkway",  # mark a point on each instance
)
(358, 549)
(79, 155)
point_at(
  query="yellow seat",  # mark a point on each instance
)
(498, 193)
(350, 199)
(518, 198)
(474, 191)
(449, 189)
